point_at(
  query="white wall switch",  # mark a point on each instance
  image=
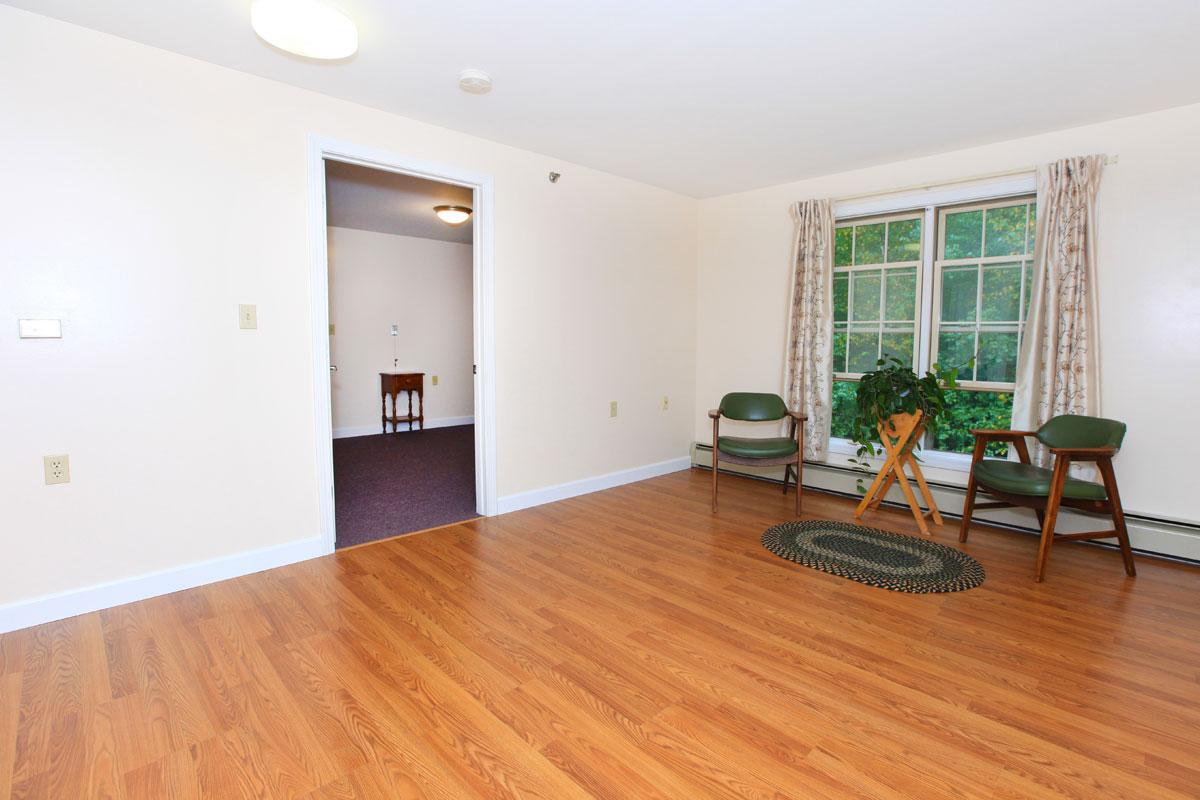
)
(666, 404)
(434, 381)
(40, 328)
(57, 468)
(612, 408)
(247, 317)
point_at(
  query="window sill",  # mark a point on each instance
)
(940, 466)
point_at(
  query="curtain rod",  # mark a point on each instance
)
(1108, 160)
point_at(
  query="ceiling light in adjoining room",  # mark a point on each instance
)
(474, 81)
(453, 215)
(307, 28)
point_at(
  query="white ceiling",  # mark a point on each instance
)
(386, 202)
(711, 97)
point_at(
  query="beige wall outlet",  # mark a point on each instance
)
(247, 317)
(58, 469)
(331, 329)
(435, 380)
(612, 408)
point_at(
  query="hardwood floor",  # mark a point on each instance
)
(625, 644)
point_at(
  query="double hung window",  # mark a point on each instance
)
(961, 302)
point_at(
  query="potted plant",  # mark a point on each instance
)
(893, 408)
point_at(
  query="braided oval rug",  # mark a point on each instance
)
(874, 557)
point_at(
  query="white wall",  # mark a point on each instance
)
(147, 194)
(423, 286)
(1149, 276)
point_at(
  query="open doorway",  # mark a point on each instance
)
(403, 299)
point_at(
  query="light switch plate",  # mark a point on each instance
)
(435, 380)
(612, 408)
(40, 328)
(247, 317)
(331, 329)
(57, 468)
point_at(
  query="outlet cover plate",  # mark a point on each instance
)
(57, 468)
(40, 328)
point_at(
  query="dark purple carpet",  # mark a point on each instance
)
(390, 484)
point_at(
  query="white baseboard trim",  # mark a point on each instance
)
(48, 608)
(537, 497)
(374, 430)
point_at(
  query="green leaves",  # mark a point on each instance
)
(895, 389)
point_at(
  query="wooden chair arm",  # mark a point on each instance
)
(714, 413)
(799, 416)
(1084, 453)
(992, 435)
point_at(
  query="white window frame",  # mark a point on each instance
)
(939, 264)
(883, 267)
(928, 201)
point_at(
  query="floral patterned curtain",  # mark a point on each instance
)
(810, 328)
(1058, 371)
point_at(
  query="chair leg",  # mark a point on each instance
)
(1061, 465)
(972, 487)
(799, 465)
(1118, 514)
(968, 508)
(715, 472)
(1044, 547)
(799, 486)
(715, 460)
(787, 473)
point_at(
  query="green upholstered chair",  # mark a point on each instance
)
(1069, 438)
(761, 452)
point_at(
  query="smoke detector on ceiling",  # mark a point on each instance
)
(474, 81)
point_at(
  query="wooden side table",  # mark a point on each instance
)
(393, 383)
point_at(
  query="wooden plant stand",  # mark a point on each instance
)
(899, 435)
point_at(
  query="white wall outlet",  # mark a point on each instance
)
(612, 408)
(247, 317)
(666, 403)
(57, 468)
(434, 380)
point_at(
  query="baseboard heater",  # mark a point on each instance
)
(1149, 536)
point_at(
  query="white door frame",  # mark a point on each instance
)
(320, 149)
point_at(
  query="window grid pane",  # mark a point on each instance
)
(983, 274)
(876, 295)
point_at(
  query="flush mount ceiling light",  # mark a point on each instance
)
(474, 81)
(453, 215)
(308, 28)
